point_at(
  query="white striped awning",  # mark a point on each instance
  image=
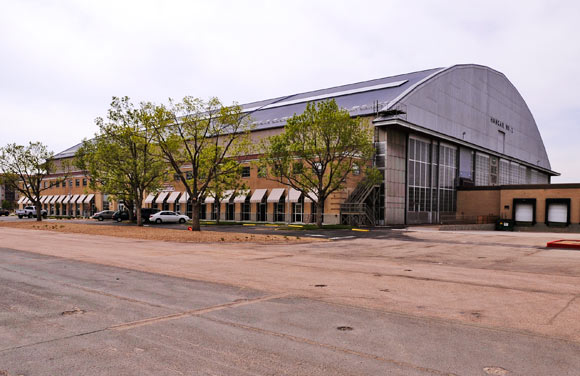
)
(275, 194)
(209, 199)
(227, 196)
(60, 199)
(74, 199)
(42, 199)
(81, 199)
(184, 197)
(293, 195)
(67, 199)
(241, 196)
(28, 201)
(161, 197)
(258, 195)
(149, 198)
(311, 197)
(89, 198)
(53, 199)
(173, 197)
(21, 200)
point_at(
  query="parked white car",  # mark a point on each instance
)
(30, 211)
(168, 217)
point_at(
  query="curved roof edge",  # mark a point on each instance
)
(420, 84)
(417, 85)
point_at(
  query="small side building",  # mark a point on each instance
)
(541, 206)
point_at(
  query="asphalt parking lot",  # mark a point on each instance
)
(409, 303)
(66, 317)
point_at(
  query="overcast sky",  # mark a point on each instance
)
(62, 61)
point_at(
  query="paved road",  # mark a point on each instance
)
(65, 317)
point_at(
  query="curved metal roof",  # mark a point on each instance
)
(477, 105)
(427, 96)
(360, 98)
(70, 152)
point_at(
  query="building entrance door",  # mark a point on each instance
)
(297, 212)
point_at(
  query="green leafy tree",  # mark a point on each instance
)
(122, 160)
(6, 205)
(200, 141)
(24, 168)
(318, 150)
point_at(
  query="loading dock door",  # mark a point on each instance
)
(524, 212)
(558, 213)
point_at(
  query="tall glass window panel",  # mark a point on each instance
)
(419, 175)
(447, 177)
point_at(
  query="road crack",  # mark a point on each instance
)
(563, 309)
(195, 312)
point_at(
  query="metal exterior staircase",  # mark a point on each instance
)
(354, 210)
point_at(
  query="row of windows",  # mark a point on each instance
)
(490, 171)
(57, 183)
(245, 173)
(260, 214)
(263, 173)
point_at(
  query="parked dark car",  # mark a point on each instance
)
(7, 212)
(147, 212)
(102, 215)
(121, 216)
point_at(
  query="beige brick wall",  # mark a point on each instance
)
(478, 203)
(500, 201)
(508, 195)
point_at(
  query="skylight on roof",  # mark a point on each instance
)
(328, 95)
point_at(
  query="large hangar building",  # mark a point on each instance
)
(435, 131)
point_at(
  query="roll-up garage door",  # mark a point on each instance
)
(524, 212)
(558, 213)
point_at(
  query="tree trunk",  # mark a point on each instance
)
(38, 207)
(195, 205)
(137, 203)
(319, 209)
(219, 211)
(130, 206)
(138, 213)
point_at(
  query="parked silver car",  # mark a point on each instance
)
(102, 215)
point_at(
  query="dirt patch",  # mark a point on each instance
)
(150, 233)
